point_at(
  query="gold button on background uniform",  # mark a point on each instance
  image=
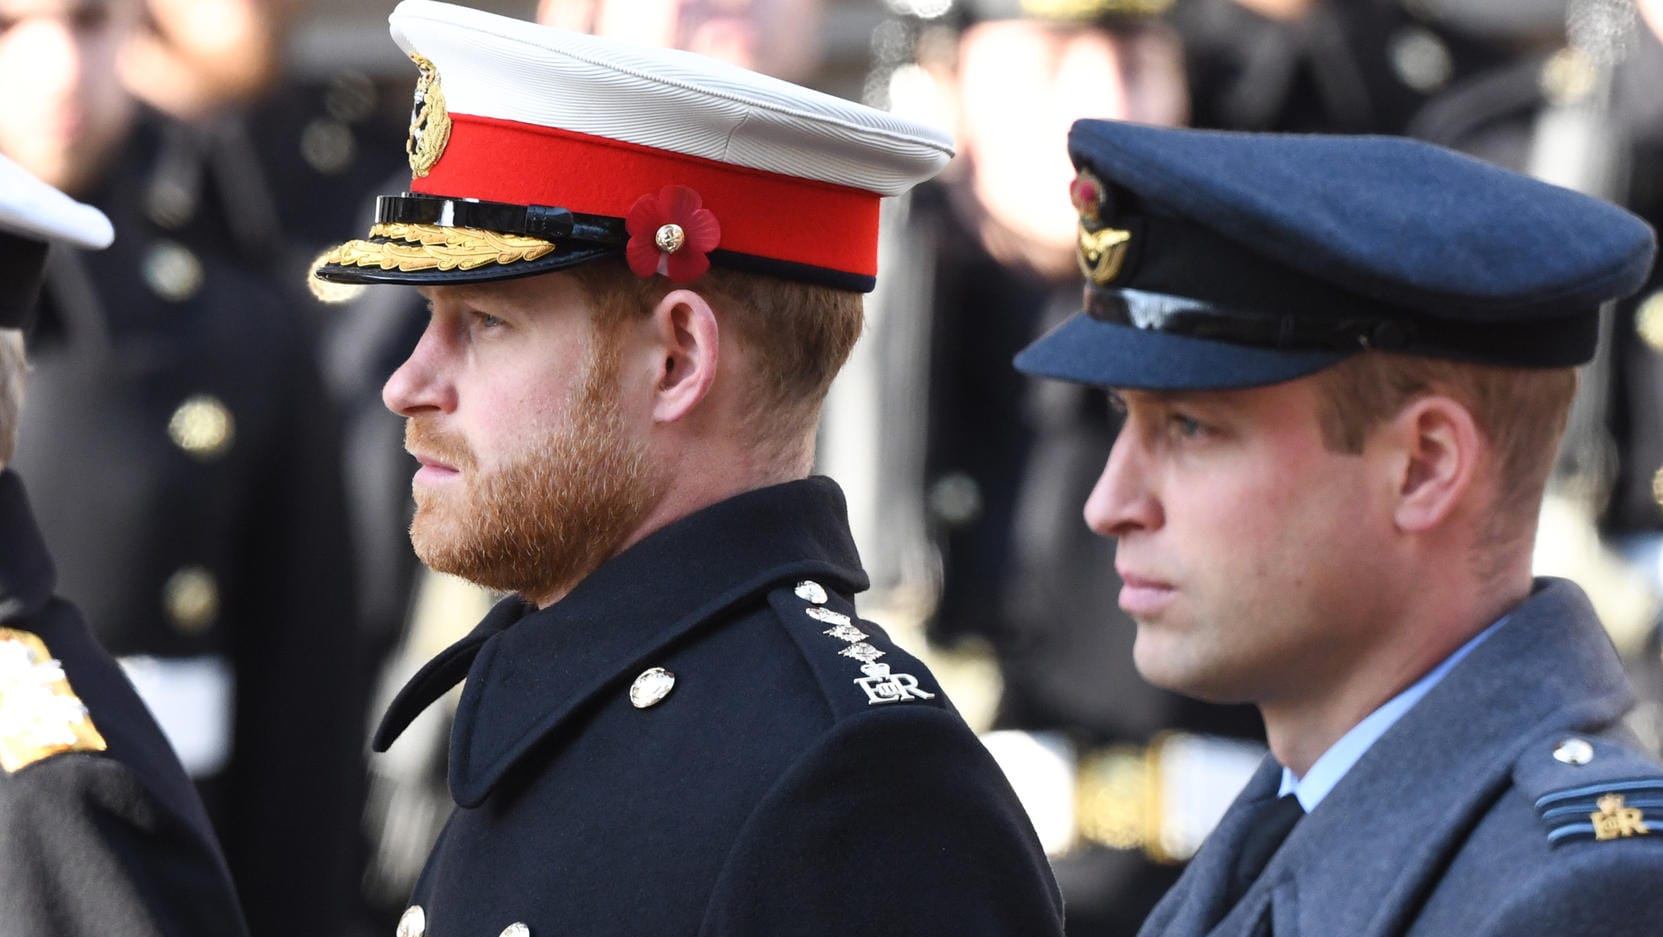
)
(202, 426)
(1648, 321)
(172, 271)
(191, 597)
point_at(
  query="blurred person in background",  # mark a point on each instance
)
(100, 829)
(1575, 104)
(184, 466)
(968, 457)
(781, 38)
(280, 145)
(1341, 66)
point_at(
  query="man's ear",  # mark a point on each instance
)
(684, 328)
(1437, 444)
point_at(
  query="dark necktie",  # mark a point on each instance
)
(1274, 821)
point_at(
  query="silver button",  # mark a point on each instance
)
(413, 922)
(515, 929)
(1421, 60)
(650, 688)
(1574, 751)
(810, 591)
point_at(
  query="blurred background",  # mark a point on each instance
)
(227, 498)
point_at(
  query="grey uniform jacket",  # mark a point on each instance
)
(1475, 815)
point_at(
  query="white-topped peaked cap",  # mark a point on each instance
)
(30, 208)
(32, 216)
(533, 149)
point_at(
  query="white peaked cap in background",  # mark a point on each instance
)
(33, 216)
(32, 209)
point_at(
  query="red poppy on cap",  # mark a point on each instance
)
(671, 233)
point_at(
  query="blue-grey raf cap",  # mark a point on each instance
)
(1220, 259)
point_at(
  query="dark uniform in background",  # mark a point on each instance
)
(100, 829)
(184, 463)
(1005, 463)
(1022, 572)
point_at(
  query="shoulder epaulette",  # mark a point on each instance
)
(1591, 789)
(858, 666)
(40, 715)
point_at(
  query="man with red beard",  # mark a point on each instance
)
(643, 270)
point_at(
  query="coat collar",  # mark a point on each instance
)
(527, 670)
(1550, 668)
(27, 576)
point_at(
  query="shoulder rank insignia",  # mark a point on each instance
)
(1599, 812)
(880, 684)
(39, 714)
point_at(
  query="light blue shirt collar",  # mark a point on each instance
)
(1338, 759)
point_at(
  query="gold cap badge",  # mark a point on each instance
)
(1101, 249)
(429, 121)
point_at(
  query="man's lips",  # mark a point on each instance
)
(433, 469)
(1142, 595)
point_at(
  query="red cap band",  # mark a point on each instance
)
(761, 214)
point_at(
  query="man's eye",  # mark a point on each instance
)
(486, 321)
(1186, 426)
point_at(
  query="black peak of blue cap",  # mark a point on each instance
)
(1271, 254)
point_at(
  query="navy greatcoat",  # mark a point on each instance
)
(802, 776)
(1473, 816)
(92, 842)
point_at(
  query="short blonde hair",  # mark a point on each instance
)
(13, 367)
(799, 335)
(1520, 411)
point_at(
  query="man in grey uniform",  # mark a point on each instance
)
(1345, 363)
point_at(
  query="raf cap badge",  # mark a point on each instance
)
(1101, 249)
(39, 714)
